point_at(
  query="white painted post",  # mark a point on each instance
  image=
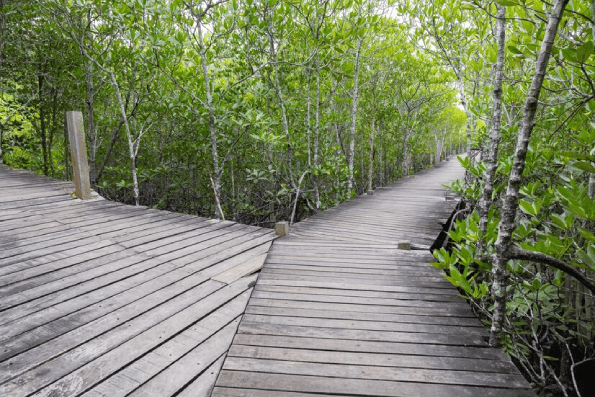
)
(78, 150)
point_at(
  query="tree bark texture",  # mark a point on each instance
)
(212, 123)
(354, 98)
(504, 244)
(492, 160)
(371, 164)
(283, 110)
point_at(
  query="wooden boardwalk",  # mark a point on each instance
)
(339, 310)
(104, 299)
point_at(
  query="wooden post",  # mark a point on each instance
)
(78, 150)
(282, 228)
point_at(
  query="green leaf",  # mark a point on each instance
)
(507, 3)
(578, 156)
(558, 221)
(585, 166)
(584, 51)
(536, 284)
(468, 5)
(527, 207)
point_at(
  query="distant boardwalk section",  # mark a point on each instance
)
(340, 310)
(104, 299)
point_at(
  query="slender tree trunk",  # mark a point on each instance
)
(354, 98)
(466, 110)
(317, 132)
(91, 123)
(3, 29)
(591, 176)
(504, 245)
(1, 140)
(283, 111)
(212, 124)
(52, 131)
(42, 124)
(90, 104)
(233, 192)
(492, 160)
(309, 117)
(131, 150)
(66, 152)
(406, 153)
(371, 166)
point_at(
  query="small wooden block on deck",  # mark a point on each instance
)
(244, 269)
(404, 245)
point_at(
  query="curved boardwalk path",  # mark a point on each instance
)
(104, 299)
(339, 310)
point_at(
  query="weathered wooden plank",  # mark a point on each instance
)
(144, 369)
(32, 202)
(374, 372)
(203, 385)
(360, 387)
(384, 305)
(170, 381)
(270, 307)
(62, 242)
(350, 286)
(358, 335)
(477, 353)
(84, 371)
(213, 255)
(380, 282)
(68, 287)
(417, 279)
(439, 296)
(330, 356)
(206, 240)
(114, 329)
(58, 320)
(367, 325)
(58, 260)
(240, 270)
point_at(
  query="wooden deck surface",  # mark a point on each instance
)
(103, 299)
(339, 310)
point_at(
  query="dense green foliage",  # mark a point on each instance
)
(256, 103)
(549, 314)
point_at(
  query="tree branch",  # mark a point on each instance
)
(533, 256)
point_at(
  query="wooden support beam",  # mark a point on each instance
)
(78, 150)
